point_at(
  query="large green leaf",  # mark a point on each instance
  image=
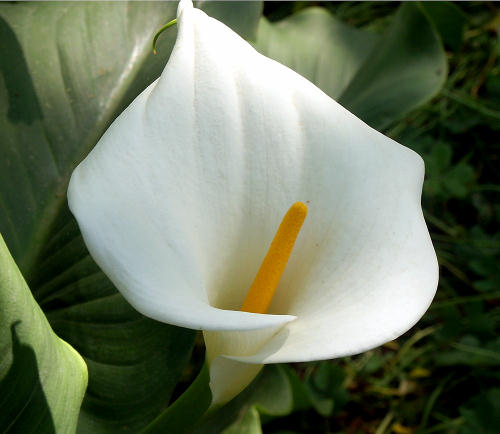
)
(380, 78)
(317, 46)
(42, 379)
(68, 69)
(405, 69)
(448, 20)
(71, 69)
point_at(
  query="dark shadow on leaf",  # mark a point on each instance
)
(23, 102)
(23, 405)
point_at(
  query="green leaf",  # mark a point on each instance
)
(326, 392)
(181, 416)
(449, 21)
(242, 16)
(317, 46)
(70, 66)
(272, 394)
(445, 179)
(404, 70)
(248, 424)
(72, 69)
(380, 78)
(42, 378)
(301, 396)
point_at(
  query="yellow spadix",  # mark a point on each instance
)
(266, 281)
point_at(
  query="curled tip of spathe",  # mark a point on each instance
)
(159, 32)
(183, 4)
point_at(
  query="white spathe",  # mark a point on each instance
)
(181, 197)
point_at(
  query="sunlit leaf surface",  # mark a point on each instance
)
(72, 69)
(377, 77)
(42, 379)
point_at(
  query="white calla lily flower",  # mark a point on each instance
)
(181, 197)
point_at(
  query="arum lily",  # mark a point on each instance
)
(179, 201)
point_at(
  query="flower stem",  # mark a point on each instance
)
(186, 411)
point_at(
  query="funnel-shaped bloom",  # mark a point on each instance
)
(181, 197)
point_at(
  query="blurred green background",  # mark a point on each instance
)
(426, 74)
